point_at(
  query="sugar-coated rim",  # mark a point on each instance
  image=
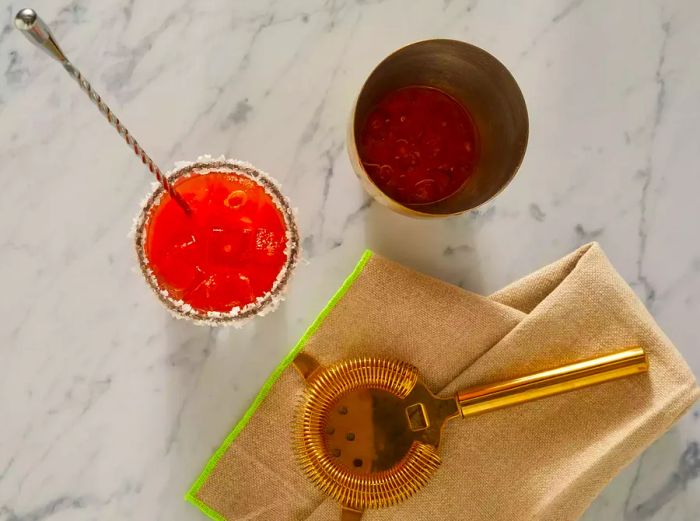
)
(238, 315)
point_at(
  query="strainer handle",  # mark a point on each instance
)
(552, 381)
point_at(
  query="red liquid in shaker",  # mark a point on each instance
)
(227, 253)
(419, 145)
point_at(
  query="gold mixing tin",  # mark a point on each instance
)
(367, 430)
(480, 83)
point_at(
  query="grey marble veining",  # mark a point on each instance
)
(109, 408)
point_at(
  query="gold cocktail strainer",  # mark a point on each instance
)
(368, 430)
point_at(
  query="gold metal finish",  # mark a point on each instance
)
(554, 381)
(351, 433)
(305, 364)
(349, 514)
(482, 84)
(368, 430)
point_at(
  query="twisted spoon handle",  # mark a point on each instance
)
(130, 140)
(37, 32)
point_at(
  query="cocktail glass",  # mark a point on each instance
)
(230, 259)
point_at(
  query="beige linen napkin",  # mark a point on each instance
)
(545, 460)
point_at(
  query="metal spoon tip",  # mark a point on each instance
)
(25, 19)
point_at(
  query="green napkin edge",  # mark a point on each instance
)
(190, 496)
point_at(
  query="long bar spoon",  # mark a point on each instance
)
(37, 32)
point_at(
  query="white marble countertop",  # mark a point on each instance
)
(109, 408)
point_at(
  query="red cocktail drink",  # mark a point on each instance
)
(231, 257)
(419, 145)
